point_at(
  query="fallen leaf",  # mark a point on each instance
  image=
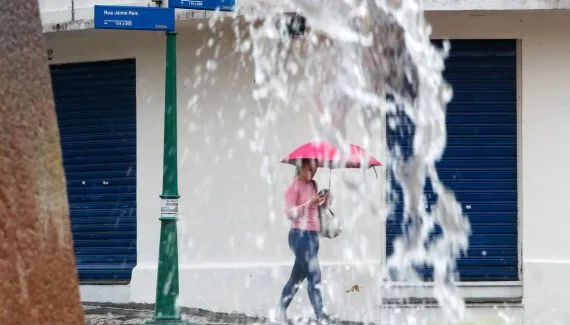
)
(354, 288)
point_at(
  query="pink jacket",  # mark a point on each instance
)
(303, 214)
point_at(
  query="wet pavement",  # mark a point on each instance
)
(115, 314)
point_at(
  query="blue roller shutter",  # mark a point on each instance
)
(480, 160)
(96, 112)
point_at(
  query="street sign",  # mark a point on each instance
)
(135, 18)
(210, 5)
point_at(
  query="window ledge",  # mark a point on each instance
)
(474, 293)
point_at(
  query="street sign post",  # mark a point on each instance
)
(134, 18)
(209, 5)
(167, 311)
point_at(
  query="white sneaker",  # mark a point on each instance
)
(280, 316)
(325, 320)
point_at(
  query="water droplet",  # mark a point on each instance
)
(259, 241)
(348, 253)
(211, 65)
(242, 113)
(192, 127)
(245, 46)
(241, 134)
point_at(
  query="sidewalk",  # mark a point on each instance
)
(115, 314)
(129, 314)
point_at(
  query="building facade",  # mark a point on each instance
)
(508, 67)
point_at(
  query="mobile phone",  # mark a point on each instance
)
(323, 192)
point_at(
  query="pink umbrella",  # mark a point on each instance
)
(330, 156)
(358, 154)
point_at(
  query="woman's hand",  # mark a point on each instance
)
(319, 199)
(316, 199)
(327, 200)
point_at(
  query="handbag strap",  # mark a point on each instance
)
(316, 186)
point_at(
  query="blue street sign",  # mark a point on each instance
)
(135, 18)
(210, 5)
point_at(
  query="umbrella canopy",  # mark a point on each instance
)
(330, 156)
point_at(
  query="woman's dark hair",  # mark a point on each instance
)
(302, 163)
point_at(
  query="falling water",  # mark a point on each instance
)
(357, 54)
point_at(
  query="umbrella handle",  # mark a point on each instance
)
(374, 168)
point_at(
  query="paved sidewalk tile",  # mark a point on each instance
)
(133, 314)
(115, 314)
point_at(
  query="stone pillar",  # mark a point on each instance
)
(38, 279)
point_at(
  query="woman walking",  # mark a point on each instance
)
(302, 208)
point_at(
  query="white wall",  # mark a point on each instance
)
(55, 11)
(224, 201)
(58, 15)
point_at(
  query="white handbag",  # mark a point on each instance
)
(330, 224)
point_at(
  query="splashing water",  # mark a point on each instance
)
(355, 55)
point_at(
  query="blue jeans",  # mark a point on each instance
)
(305, 245)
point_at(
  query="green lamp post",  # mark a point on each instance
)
(167, 311)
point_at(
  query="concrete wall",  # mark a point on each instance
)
(60, 15)
(233, 249)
